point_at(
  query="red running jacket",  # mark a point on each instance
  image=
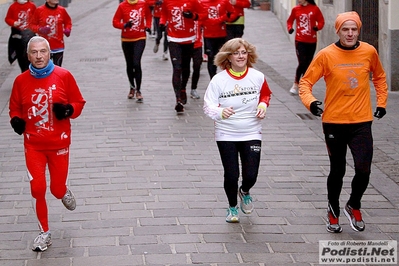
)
(139, 14)
(32, 100)
(216, 16)
(20, 13)
(57, 19)
(306, 18)
(180, 29)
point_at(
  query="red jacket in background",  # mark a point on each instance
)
(20, 13)
(179, 28)
(57, 19)
(151, 2)
(139, 14)
(239, 11)
(157, 9)
(198, 37)
(306, 18)
(216, 12)
(32, 100)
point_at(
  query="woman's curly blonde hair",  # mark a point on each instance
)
(222, 57)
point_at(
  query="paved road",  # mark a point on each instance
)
(149, 182)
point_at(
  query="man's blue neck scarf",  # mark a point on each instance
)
(42, 72)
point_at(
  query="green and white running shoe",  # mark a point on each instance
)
(232, 215)
(246, 204)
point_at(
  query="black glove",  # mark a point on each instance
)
(62, 110)
(162, 27)
(315, 28)
(380, 112)
(189, 14)
(317, 111)
(148, 30)
(18, 124)
(128, 24)
(291, 31)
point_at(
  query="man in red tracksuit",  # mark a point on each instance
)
(42, 102)
(178, 17)
(52, 22)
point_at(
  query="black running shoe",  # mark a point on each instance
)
(183, 96)
(179, 107)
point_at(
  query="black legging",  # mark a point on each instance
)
(304, 52)
(234, 31)
(197, 62)
(212, 46)
(358, 137)
(249, 153)
(159, 35)
(57, 58)
(180, 56)
(133, 52)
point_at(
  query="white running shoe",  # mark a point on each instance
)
(232, 215)
(69, 200)
(165, 56)
(294, 89)
(194, 94)
(42, 242)
(246, 204)
(156, 46)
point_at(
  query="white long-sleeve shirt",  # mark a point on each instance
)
(243, 94)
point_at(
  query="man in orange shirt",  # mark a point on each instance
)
(346, 66)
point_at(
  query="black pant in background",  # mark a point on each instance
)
(133, 51)
(212, 47)
(304, 52)
(180, 56)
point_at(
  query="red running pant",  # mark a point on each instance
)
(58, 164)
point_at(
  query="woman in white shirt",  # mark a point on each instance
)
(237, 99)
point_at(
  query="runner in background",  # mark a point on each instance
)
(52, 22)
(236, 22)
(133, 18)
(18, 17)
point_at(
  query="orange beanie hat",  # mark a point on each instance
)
(343, 17)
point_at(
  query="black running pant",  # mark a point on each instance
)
(304, 52)
(234, 31)
(249, 153)
(358, 137)
(212, 47)
(197, 62)
(133, 52)
(57, 58)
(159, 35)
(180, 56)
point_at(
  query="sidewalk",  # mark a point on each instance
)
(149, 183)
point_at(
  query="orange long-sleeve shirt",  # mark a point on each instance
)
(346, 73)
